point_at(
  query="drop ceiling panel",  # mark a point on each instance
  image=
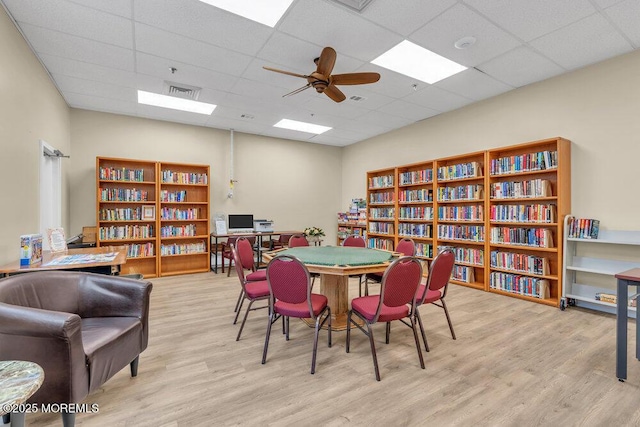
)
(87, 71)
(186, 73)
(388, 121)
(408, 110)
(58, 44)
(521, 67)
(391, 84)
(320, 103)
(164, 44)
(85, 22)
(92, 88)
(196, 22)
(85, 102)
(473, 84)
(336, 26)
(116, 7)
(440, 35)
(585, 42)
(371, 100)
(222, 122)
(529, 19)
(406, 16)
(437, 99)
(159, 113)
(156, 85)
(250, 88)
(626, 17)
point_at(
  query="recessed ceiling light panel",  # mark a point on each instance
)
(164, 101)
(267, 12)
(415, 61)
(301, 126)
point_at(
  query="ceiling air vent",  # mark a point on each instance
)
(357, 5)
(180, 90)
(247, 116)
(357, 98)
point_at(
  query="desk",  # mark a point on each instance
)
(334, 270)
(107, 267)
(214, 242)
(625, 279)
(18, 381)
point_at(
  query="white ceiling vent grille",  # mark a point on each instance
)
(357, 98)
(357, 5)
(180, 90)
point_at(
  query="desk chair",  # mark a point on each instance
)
(290, 296)
(406, 247)
(396, 302)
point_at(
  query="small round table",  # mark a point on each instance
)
(335, 264)
(18, 381)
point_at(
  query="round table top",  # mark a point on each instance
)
(338, 255)
(18, 381)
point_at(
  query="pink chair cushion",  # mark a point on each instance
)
(367, 306)
(257, 289)
(257, 276)
(432, 296)
(301, 310)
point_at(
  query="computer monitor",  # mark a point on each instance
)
(240, 223)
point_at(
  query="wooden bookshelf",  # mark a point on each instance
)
(529, 196)
(500, 213)
(460, 215)
(381, 209)
(351, 223)
(183, 233)
(416, 209)
(126, 190)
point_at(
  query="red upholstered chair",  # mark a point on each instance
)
(281, 242)
(435, 290)
(298, 240)
(291, 296)
(406, 247)
(226, 251)
(395, 302)
(250, 239)
(354, 241)
(245, 250)
(252, 291)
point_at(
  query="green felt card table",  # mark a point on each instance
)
(335, 264)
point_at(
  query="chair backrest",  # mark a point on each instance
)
(298, 240)
(238, 263)
(406, 247)
(284, 239)
(245, 250)
(440, 271)
(400, 282)
(289, 281)
(227, 245)
(354, 241)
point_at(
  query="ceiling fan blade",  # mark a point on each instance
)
(326, 61)
(300, 89)
(335, 93)
(354, 78)
(289, 73)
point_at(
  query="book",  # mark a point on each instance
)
(30, 249)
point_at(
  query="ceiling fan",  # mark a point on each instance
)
(322, 80)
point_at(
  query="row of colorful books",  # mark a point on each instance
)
(583, 228)
(526, 162)
(416, 177)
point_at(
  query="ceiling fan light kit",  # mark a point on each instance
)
(324, 82)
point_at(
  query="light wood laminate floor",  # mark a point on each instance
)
(514, 363)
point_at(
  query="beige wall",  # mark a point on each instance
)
(30, 109)
(296, 184)
(597, 108)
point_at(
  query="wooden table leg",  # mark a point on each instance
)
(336, 289)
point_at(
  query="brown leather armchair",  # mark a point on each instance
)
(82, 328)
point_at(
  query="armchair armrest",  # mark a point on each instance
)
(113, 296)
(35, 322)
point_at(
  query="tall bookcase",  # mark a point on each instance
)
(381, 209)
(126, 191)
(351, 223)
(530, 194)
(184, 218)
(159, 210)
(500, 210)
(460, 219)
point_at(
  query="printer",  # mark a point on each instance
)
(262, 226)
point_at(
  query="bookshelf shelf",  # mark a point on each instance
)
(170, 187)
(462, 193)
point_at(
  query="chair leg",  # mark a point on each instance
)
(229, 270)
(315, 345)
(6, 418)
(360, 286)
(415, 336)
(244, 320)
(373, 352)
(266, 339)
(235, 320)
(446, 312)
(235, 310)
(366, 287)
(329, 326)
(388, 331)
(286, 328)
(134, 366)
(348, 340)
(424, 336)
(68, 419)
